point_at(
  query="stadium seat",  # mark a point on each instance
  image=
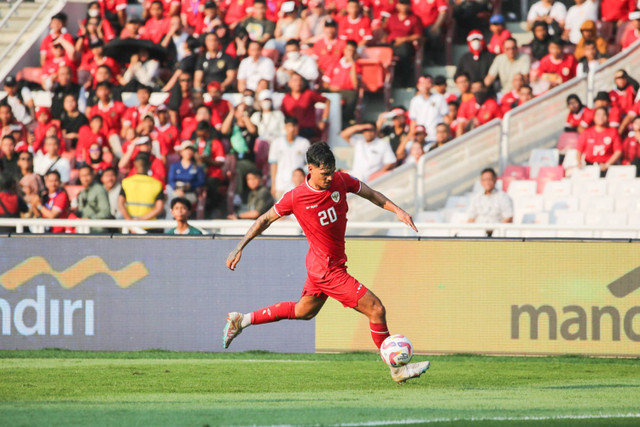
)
(458, 218)
(30, 74)
(621, 172)
(611, 219)
(586, 172)
(526, 205)
(623, 187)
(73, 191)
(548, 174)
(377, 65)
(567, 141)
(522, 188)
(590, 188)
(567, 203)
(512, 173)
(597, 204)
(557, 188)
(570, 219)
(458, 203)
(540, 158)
(536, 218)
(431, 217)
(627, 204)
(570, 162)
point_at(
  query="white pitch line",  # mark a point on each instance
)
(472, 419)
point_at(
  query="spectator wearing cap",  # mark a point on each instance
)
(142, 196)
(46, 127)
(577, 14)
(344, 78)
(288, 26)
(296, 62)
(270, 122)
(111, 112)
(186, 177)
(259, 200)
(258, 27)
(286, 154)
(215, 65)
(478, 60)
(55, 203)
(133, 116)
(109, 180)
(181, 209)
(623, 94)
(256, 72)
(49, 159)
(499, 34)
(632, 32)
(313, 24)
(164, 132)
(548, 11)
(57, 33)
(89, 135)
(404, 148)
(590, 60)
(93, 200)
(393, 125)
(300, 103)
(354, 25)
(508, 98)
(603, 100)
(589, 33)
(61, 88)
(556, 67)
(576, 112)
(19, 98)
(402, 29)
(142, 144)
(235, 11)
(63, 56)
(506, 65)
(432, 14)
(440, 86)
(9, 159)
(541, 39)
(478, 111)
(426, 108)
(599, 144)
(208, 20)
(142, 70)
(329, 48)
(372, 156)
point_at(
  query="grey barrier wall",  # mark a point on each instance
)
(100, 293)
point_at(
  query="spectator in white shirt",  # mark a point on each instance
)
(296, 62)
(270, 122)
(583, 10)
(256, 72)
(372, 156)
(492, 205)
(547, 11)
(426, 108)
(19, 99)
(52, 161)
(286, 154)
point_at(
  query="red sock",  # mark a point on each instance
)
(379, 332)
(273, 313)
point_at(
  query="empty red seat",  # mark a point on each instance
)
(512, 173)
(549, 173)
(567, 141)
(30, 74)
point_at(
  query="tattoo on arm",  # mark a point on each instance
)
(261, 224)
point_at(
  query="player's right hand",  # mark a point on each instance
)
(233, 259)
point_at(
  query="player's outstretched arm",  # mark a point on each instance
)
(377, 198)
(261, 224)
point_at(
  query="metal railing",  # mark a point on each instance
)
(12, 11)
(602, 77)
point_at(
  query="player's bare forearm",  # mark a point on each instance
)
(262, 223)
(379, 199)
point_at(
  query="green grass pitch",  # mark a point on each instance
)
(66, 388)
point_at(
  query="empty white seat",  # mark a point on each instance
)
(432, 217)
(557, 188)
(623, 187)
(522, 188)
(542, 157)
(596, 187)
(570, 162)
(569, 218)
(536, 218)
(526, 204)
(459, 218)
(586, 172)
(606, 219)
(552, 203)
(627, 204)
(596, 204)
(459, 203)
(621, 172)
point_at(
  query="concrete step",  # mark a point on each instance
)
(402, 96)
(517, 27)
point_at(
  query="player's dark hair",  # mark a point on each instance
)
(489, 170)
(182, 200)
(320, 155)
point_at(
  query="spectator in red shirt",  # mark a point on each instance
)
(300, 103)
(111, 112)
(115, 11)
(513, 95)
(380, 11)
(46, 127)
(479, 110)
(157, 26)
(98, 58)
(556, 68)
(11, 205)
(89, 135)
(616, 11)
(631, 146)
(499, 34)
(632, 32)
(603, 100)
(402, 29)
(599, 144)
(192, 11)
(169, 8)
(63, 53)
(219, 107)
(207, 20)
(235, 11)
(133, 116)
(624, 94)
(355, 26)
(142, 144)
(164, 132)
(132, 29)
(329, 48)
(55, 204)
(57, 33)
(344, 78)
(575, 117)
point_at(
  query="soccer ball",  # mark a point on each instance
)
(396, 351)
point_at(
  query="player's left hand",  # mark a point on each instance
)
(233, 259)
(406, 218)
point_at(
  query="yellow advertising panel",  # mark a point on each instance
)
(497, 297)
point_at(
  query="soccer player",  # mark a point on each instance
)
(320, 207)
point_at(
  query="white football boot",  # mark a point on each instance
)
(411, 370)
(232, 329)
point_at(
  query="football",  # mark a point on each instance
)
(396, 351)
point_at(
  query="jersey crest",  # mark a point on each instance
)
(335, 196)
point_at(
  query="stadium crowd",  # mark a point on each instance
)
(88, 155)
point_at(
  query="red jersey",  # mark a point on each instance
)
(156, 29)
(327, 52)
(112, 6)
(623, 99)
(497, 40)
(60, 200)
(630, 36)
(235, 10)
(111, 114)
(167, 5)
(598, 147)
(47, 43)
(217, 154)
(167, 136)
(219, 111)
(157, 169)
(630, 150)
(488, 111)
(52, 66)
(134, 115)
(340, 75)
(396, 27)
(565, 68)
(109, 62)
(322, 215)
(428, 10)
(577, 120)
(302, 108)
(616, 10)
(380, 8)
(191, 10)
(40, 133)
(614, 117)
(86, 138)
(357, 30)
(507, 100)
